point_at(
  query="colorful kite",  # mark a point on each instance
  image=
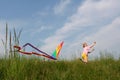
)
(41, 53)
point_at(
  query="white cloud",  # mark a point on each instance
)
(59, 8)
(104, 8)
(91, 14)
(108, 36)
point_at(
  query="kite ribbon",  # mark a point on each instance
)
(54, 56)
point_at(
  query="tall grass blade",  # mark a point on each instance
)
(19, 34)
(15, 37)
(3, 42)
(6, 41)
(10, 46)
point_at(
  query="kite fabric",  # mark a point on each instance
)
(44, 54)
(57, 51)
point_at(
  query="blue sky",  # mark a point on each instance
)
(46, 23)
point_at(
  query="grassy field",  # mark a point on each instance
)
(36, 69)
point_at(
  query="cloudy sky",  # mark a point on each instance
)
(46, 23)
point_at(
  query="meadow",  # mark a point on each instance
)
(16, 67)
(36, 69)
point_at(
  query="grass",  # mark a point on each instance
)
(36, 69)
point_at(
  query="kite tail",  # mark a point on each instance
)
(57, 50)
(35, 48)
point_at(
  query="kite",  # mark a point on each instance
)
(41, 53)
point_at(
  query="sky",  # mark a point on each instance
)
(45, 23)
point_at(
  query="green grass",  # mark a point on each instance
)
(36, 69)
